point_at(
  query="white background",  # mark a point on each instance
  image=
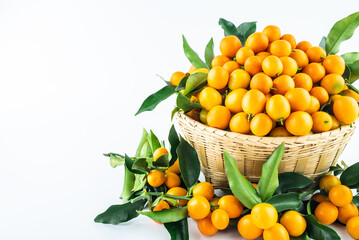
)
(72, 75)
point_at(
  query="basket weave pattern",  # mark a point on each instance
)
(310, 155)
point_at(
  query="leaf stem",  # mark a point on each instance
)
(350, 86)
(168, 195)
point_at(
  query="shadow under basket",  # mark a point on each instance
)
(310, 155)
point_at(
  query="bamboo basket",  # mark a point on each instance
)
(310, 155)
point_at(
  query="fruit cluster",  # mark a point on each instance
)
(273, 86)
(336, 204)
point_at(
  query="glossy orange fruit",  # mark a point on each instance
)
(233, 100)
(174, 168)
(217, 78)
(198, 207)
(316, 54)
(253, 65)
(239, 79)
(316, 71)
(326, 213)
(272, 66)
(264, 215)
(298, 98)
(261, 82)
(219, 117)
(346, 109)
(350, 93)
(177, 77)
(192, 69)
(203, 116)
(219, 61)
(261, 124)
(253, 102)
(231, 66)
(204, 189)
(247, 229)
(335, 123)
(333, 83)
(300, 57)
(353, 227)
(178, 191)
(291, 39)
(320, 198)
(206, 227)
(299, 123)
(257, 41)
(159, 152)
(347, 212)
(201, 70)
(334, 64)
(280, 132)
(239, 123)
(229, 46)
(328, 181)
(278, 108)
(242, 55)
(282, 84)
(280, 48)
(277, 232)
(304, 45)
(321, 94)
(314, 105)
(231, 205)
(294, 222)
(156, 178)
(290, 66)
(322, 122)
(273, 32)
(340, 195)
(220, 219)
(172, 180)
(209, 98)
(303, 80)
(263, 55)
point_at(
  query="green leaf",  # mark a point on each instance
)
(116, 160)
(269, 182)
(245, 30)
(154, 99)
(162, 161)
(181, 85)
(228, 27)
(120, 213)
(322, 42)
(128, 184)
(318, 231)
(350, 176)
(209, 54)
(192, 55)
(195, 82)
(291, 180)
(350, 57)
(178, 230)
(153, 141)
(185, 103)
(129, 164)
(304, 236)
(286, 201)
(341, 31)
(167, 215)
(356, 200)
(241, 188)
(174, 142)
(336, 169)
(143, 141)
(140, 181)
(188, 163)
(354, 71)
(141, 165)
(174, 111)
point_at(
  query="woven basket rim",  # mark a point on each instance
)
(189, 119)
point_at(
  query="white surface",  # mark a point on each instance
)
(73, 73)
